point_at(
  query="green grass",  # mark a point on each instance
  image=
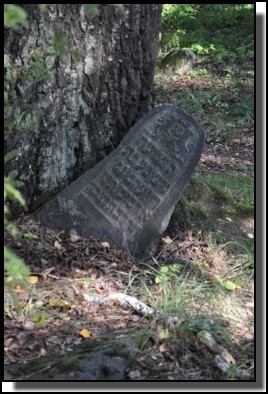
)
(213, 196)
(235, 188)
(222, 91)
(220, 30)
(190, 306)
(226, 106)
(216, 207)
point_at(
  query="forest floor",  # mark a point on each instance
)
(203, 273)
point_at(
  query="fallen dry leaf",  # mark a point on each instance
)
(74, 236)
(163, 348)
(32, 280)
(167, 240)
(57, 245)
(42, 352)
(28, 324)
(85, 333)
(105, 245)
(164, 334)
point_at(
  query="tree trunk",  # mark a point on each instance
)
(77, 106)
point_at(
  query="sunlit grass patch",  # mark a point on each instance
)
(194, 304)
(224, 193)
(235, 187)
(219, 209)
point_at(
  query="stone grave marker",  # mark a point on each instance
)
(129, 196)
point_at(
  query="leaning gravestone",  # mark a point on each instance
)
(129, 196)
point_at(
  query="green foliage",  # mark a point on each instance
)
(38, 68)
(11, 193)
(179, 16)
(43, 7)
(14, 16)
(87, 282)
(199, 101)
(39, 317)
(177, 19)
(221, 31)
(9, 156)
(227, 284)
(165, 272)
(61, 46)
(15, 269)
(30, 235)
(91, 9)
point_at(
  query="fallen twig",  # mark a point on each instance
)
(26, 377)
(123, 300)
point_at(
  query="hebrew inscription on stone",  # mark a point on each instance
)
(129, 196)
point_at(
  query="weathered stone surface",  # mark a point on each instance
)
(75, 108)
(129, 196)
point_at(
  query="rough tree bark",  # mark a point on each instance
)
(83, 108)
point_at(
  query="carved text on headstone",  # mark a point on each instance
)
(129, 196)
